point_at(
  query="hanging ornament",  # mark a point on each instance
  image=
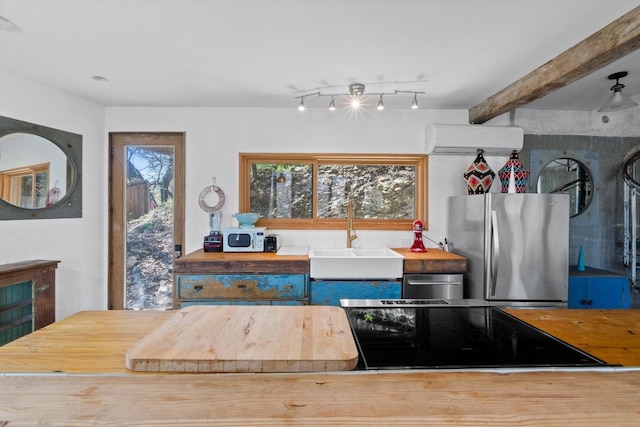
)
(209, 193)
(520, 174)
(479, 175)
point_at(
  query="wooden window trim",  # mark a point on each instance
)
(420, 161)
(6, 176)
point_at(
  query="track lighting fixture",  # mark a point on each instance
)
(617, 101)
(332, 104)
(356, 97)
(414, 103)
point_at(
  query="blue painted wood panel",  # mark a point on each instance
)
(16, 311)
(329, 292)
(243, 286)
(258, 289)
(188, 303)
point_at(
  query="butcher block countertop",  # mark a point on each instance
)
(610, 335)
(433, 261)
(40, 383)
(222, 338)
(200, 262)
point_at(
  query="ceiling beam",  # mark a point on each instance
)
(611, 43)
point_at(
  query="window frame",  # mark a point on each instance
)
(9, 184)
(419, 161)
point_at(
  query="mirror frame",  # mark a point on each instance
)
(568, 157)
(69, 206)
(539, 157)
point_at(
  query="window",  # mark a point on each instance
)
(25, 187)
(311, 191)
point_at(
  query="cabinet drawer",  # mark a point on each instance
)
(187, 303)
(242, 286)
(330, 292)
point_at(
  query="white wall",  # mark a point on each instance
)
(214, 137)
(79, 243)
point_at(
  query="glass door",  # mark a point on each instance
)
(146, 221)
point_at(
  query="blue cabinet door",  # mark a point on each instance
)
(577, 292)
(329, 292)
(598, 292)
(612, 292)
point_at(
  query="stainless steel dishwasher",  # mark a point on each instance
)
(432, 286)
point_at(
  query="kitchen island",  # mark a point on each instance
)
(73, 373)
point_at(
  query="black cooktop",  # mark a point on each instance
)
(456, 337)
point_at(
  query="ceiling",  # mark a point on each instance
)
(257, 53)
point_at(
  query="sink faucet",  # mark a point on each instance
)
(351, 233)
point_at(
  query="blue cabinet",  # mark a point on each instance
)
(329, 292)
(257, 289)
(595, 288)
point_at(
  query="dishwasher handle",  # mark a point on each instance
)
(412, 282)
(433, 286)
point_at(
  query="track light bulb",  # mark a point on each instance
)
(332, 104)
(414, 103)
(301, 106)
(355, 103)
(380, 104)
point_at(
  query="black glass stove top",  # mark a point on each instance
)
(456, 337)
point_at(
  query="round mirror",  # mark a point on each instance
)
(567, 175)
(34, 172)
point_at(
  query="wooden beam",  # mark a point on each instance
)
(611, 43)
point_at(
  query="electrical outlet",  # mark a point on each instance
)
(405, 243)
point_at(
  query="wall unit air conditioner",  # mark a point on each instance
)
(466, 139)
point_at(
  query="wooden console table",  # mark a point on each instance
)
(27, 297)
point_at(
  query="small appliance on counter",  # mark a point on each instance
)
(206, 199)
(418, 245)
(213, 242)
(271, 243)
(244, 239)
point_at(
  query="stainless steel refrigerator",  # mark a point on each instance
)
(516, 245)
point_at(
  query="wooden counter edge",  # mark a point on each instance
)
(18, 270)
(199, 262)
(434, 398)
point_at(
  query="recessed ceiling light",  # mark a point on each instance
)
(100, 79)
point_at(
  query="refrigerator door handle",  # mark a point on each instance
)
(495, 252)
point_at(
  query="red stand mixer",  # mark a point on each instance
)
(418, 245)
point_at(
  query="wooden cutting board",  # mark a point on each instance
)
(220, 338)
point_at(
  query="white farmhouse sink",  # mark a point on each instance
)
(355, 263)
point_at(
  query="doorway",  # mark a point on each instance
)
(146, 218)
